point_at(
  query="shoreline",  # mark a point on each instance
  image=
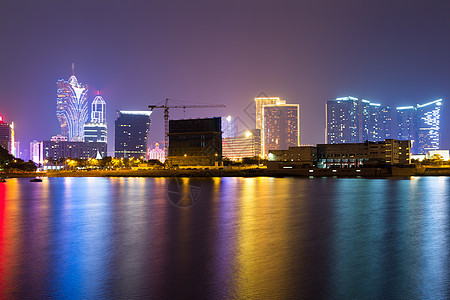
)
(300, 172)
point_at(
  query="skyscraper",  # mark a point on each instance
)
(428, 131)
(351, 120)
(260, 102)
(72, 107)
(7, 136)
(96, 130)
(280, 127)
(421, 125)
(228, 127)
(131, 133)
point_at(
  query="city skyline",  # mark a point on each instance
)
(220, 53)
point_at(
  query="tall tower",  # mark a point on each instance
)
(96, 130)
(131, 133)
(280, 127)
(353, 120)
(72, 107)
(98, 110)
(421, 125)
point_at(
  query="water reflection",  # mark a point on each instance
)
(241, 238)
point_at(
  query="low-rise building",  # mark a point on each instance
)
(247, 145)
(63, 149)
(350, 155)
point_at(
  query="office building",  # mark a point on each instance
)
(72, 107)
(260, 103)
(228, 127)
(353, 120)
(7, 136)
(195, 142)
(421, 125)
(280, 127)
(37, 152)
(428, 130)
(95, 132)
(247, 145)
(98, 110)
(349, 155)
(60, 150)
(131, 133)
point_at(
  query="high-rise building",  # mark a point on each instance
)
(428, 121)
(260, 102)
(98, 110)
(96, 130)
(7, 136)
(131, 133)
(407, 124)
(280, 127)
(421, 125)
(72, 107)
(353, 120)
(37, 152)
(228, 127)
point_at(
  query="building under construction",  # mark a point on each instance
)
(195, 142)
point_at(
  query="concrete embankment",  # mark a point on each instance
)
(389, 171)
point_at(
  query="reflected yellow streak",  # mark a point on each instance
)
(263, 257)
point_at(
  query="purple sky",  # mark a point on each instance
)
(221, 52)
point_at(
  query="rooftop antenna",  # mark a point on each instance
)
(73, 68)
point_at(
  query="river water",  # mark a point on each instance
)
(222, 238)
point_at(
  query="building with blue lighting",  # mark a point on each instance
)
(421, 125)
(96, 130)
(72, 107)
(353, 120)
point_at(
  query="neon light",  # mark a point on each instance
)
(352, 98)
(1, 119)
(405, 107)
(342, 98)
(135, 112)
(429, 103)
(365, 101)
(374, 104)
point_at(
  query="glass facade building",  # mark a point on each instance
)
(131, 133)
(353, 120)
(280, 127)
(421, 125)
(228, 127)
(7, 136)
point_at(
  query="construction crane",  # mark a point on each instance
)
(166, 118)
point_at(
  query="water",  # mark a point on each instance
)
(265, 238)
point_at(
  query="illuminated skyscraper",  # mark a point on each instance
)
(428, 131)
(351, 120)
(260, 102)
(98, 111)
(131, 133)
(228, 127)
(7, 136)
(96, 130)
(72, 107)
(421, 125)
(280, 127)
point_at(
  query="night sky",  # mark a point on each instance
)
(221, 52)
